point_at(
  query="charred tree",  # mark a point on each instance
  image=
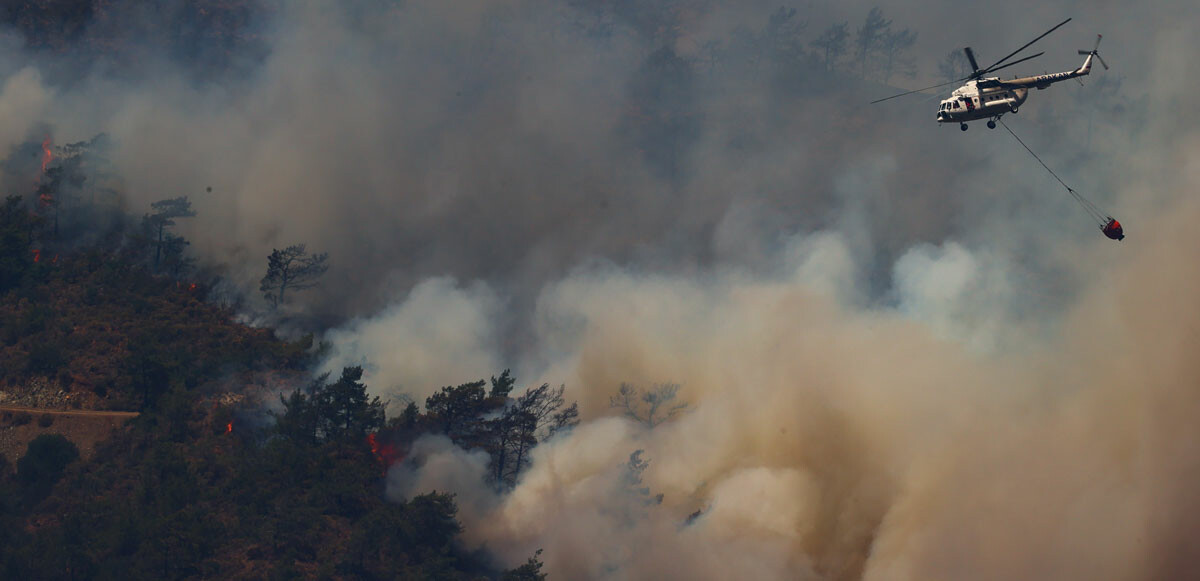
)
(291, 269)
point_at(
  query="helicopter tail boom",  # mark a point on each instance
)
(1087, 64)
(1044, 81)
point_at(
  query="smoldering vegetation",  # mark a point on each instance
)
(905, 353)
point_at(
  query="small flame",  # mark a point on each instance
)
(385, 453)
(47, 155)
(192, 287)
(228, 427)
(37, 255)
(54, 260)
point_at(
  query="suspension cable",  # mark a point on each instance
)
(1092, 210)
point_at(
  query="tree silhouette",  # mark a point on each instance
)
(895, 47)
(870, 38)
(652, 407)
(532, 418)
(781, 38)
(291, 269)
(345, 411)
(954, 66)
(340, 411)
(832, 44)
(456, 411)
(15, 255)
(43, 464)
(165, 213)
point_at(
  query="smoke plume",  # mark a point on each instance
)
(906, 352)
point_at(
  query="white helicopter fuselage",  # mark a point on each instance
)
(970, 101)
(989, 98)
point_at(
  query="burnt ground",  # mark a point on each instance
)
(85, 429)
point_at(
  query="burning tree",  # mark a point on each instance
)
(67, 171)
(291, 269)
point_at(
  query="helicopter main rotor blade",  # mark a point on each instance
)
(919, 90)
(1013, 53)
(971, 57)
(1016, 62)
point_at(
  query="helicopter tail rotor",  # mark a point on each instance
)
(1094, 52)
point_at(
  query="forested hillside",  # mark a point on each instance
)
(237, 467)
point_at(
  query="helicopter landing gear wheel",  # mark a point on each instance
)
(963, 126)
(992, 124)
(1013, 109)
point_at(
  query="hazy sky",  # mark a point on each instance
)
(907, 353)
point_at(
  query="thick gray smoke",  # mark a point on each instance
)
(907, 353)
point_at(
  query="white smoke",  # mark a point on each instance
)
(433, 463)
(408, 348)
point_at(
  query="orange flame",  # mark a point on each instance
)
(228, 427)
(47, 155)
(385, 453)
(37, 255)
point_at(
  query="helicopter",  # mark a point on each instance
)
(990, 97)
